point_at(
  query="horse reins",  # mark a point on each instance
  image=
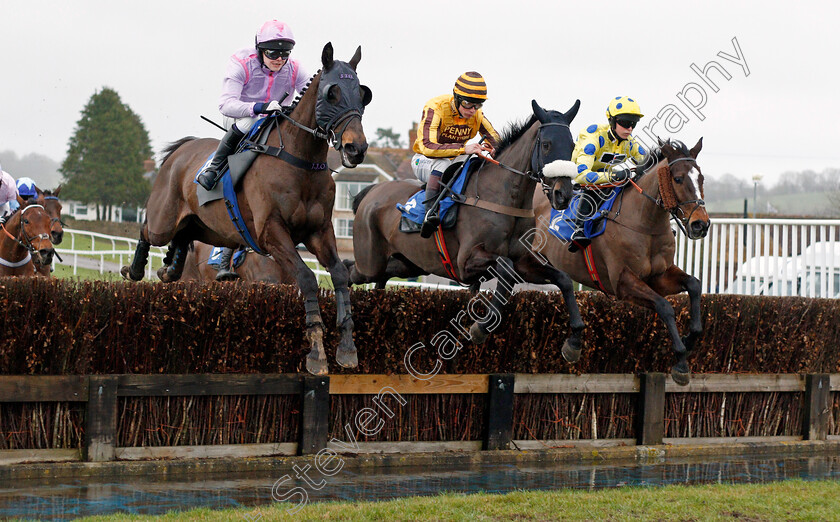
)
(680, 221)
(476, 201)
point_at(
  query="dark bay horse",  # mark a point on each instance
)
(634, 258)
(283, 201)
(25, 236)
(254, 267)
(485, 243)
(49, 200)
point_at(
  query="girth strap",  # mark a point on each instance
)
(473, 201)
(448, 266)
(589, 259)
(232, 205)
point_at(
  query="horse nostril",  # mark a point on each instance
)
(350, 149)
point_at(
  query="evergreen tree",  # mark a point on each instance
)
(104, 161)
(387, 138)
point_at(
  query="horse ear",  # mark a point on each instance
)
(354, 61)
(571, 113)
(695, 150)
(56, 191)
(539, 112)
(327, 56)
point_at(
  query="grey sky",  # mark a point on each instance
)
(166, 60)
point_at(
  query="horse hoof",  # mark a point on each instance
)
(126, 273)
(316, 366)
(347, 358)
(570, 353)
(228, 276)
(681, 378)
(477, 335)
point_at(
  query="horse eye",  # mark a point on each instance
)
(334, 94)
(546, 146)
(678, 181)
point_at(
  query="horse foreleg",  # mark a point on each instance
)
(279, 244)
(323, 246)
(674, 281)
(134, 272)
(173, 262)
(633, 289)
(506, 278)
(533, 271)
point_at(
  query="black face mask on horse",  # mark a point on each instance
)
(336, 107)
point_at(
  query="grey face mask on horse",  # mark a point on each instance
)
(340, 98)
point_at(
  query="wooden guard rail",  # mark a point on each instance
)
(101, 394)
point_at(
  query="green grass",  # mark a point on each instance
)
(84, 274)
(788, 500)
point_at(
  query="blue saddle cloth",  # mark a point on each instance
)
(216, 254)
(563, 221)
(415, 211)
(251, 135)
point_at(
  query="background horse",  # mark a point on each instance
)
(634, 257)
(25, 236)
(49, 200)
(253, 268)
(284, 200)
(497, 239)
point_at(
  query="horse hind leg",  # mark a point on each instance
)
(135, 271)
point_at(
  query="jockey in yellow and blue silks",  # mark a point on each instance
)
(599, 148)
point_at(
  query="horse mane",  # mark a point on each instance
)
(172, 147)
(357, 199)
(299, 96)
(513, 133)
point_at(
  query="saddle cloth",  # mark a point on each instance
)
(414, 211)
(236, 165)
(562, 223)
(216, 254)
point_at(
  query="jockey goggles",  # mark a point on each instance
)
(469, 105)
(273, 54)
(627, 124)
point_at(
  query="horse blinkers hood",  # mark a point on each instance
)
(340, 82)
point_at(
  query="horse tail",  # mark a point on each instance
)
(172, 147)
(357, 199)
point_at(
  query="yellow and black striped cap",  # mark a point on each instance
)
(471, 86)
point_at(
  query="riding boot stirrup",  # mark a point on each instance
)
(227, 146)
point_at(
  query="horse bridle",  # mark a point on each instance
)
(681, 220)
(536, 157)
(26, 241)
(53, 220)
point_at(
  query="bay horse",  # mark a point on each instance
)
(49, 200)
(634, 258)
(254, 267)
(487, 242)
(283, 200)
(25, 237)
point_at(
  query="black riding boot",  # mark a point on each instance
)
(432, 218)
(579, 239)
(226, 272)
(227, 146)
